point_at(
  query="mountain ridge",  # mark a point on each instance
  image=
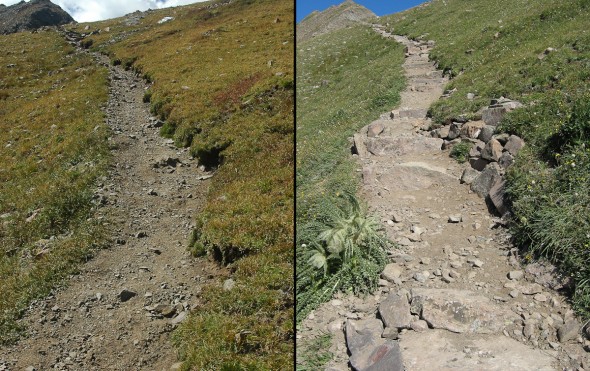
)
(29, 16)
(334, 18)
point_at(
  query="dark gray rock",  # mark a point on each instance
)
(498, 196)
(514, 145)
(478, 163)
(486, 133)
(395, 311)
(502, 138)
(506, 160)
(386, 357)
(454, 131)
(469, 175)
(125, 295)
(493, 115)
(486, 180)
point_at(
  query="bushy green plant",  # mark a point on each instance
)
(340, 251)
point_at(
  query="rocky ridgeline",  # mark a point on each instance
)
(455, 295)
(334, 18)
(31, 16)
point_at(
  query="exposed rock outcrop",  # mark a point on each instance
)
(31, 16)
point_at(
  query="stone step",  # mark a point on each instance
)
(413, 176)
(445, 351)
(412, 113)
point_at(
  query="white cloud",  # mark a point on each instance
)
(96, 10)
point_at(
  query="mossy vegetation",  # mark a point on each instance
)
(222, 76)
(537, 53)
(54, 148)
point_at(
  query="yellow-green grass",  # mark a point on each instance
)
(500, 48)
(53, 149)
(345, 79)
(223, 83)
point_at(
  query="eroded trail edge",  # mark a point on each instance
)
(118, 313)
(454, 296)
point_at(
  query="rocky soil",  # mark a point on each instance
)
(456, 294)
(119, 311)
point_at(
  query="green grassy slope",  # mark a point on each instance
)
(345, 80)
(53, 149)
(493, 49)
(223, 82)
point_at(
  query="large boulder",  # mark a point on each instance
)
(486, 179)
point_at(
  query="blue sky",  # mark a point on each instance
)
(379, 7)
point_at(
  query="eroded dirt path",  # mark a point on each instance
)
(455, 295)
(150, 198)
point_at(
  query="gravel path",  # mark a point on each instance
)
(118, 313)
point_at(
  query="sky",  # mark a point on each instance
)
(379, 7)
(97, 10)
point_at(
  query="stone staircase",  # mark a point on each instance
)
(454, 296)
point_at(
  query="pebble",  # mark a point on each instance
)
(336, 303)
(514, 293)
(455, 218)
(125, 295)
(420, 277)
(540, 297)
(515, 275)
(229, 284)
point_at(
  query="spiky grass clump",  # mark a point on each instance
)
(341, 251)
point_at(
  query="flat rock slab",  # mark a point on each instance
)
(411, 176)
(462, 311)
(442, 350)
(399, 146)
(368, 350)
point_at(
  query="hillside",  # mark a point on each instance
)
(28, 16)
(478, 178)
(503, 56)
(178, 161)
(334, 18)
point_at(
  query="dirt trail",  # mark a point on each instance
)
(455, 295)
(151, 196)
